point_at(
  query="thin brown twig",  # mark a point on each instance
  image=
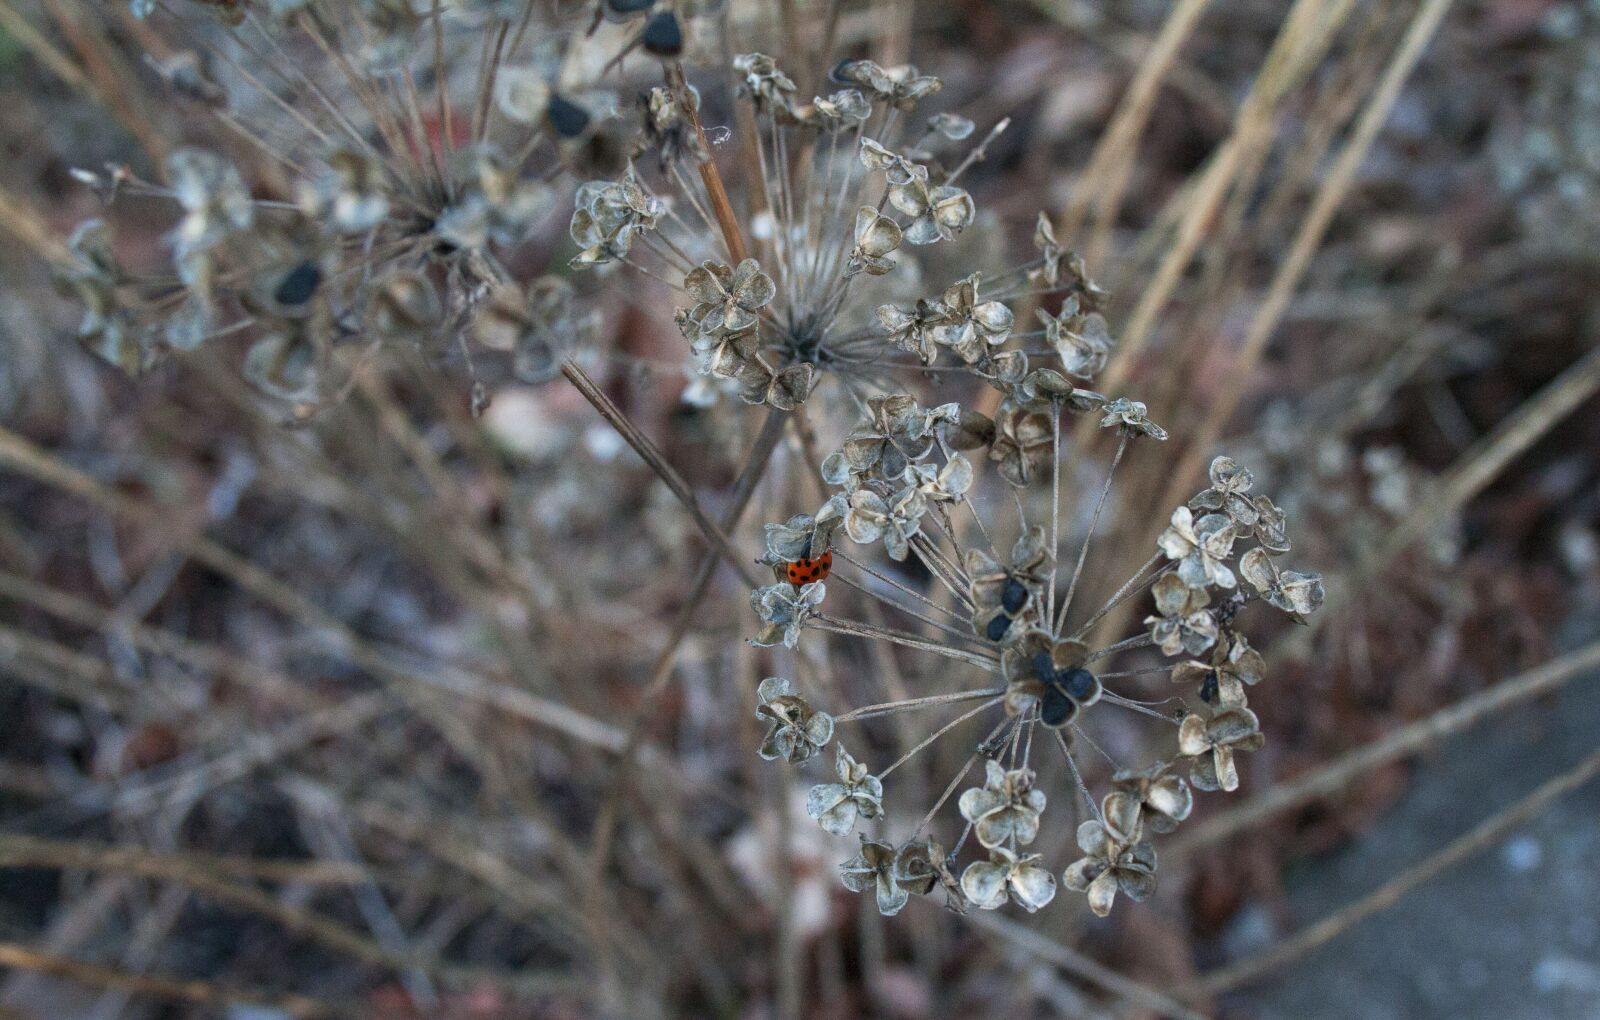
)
(18, 851)
(1308, 238)
(658, 463)
(20, 957)
(604, 831)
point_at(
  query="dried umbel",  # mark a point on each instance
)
(1001, 613)
(850, 187)
(379, 172)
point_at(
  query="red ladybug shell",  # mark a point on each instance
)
(804, 571)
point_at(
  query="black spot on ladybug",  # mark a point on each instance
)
(998, 625)
(1208, 688)
(568, 118)
(1013, 595)
(1055, 708)
(804, 571)
(662, 35)
(299, 285)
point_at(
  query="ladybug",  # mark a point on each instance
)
(804, 571)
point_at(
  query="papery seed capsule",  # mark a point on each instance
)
(998, 625)
(1013, 595)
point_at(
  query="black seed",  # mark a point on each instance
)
(840, 66)
(1013, 595)
(1043, 668)
(629, 6)
(1208, 688)
(1055, 708)
(996, 631)
(299, 285)
(1078, 683)
(568, 118)
(662, 35)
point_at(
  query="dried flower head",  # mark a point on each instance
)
(798, 731)
(906, 485)
(1234, 666)
(1161, 798)
(350, 160)
(845, 198)
(1006, 808)
(1183, 624)
(783, 609)
(1212, 743)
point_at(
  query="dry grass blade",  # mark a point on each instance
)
(20, 29)
(26, 225)
(1105, 177)
(1348, 767)
(1511, 438)
(1482, 836)
(1307, 32)
(31, 852)
(201, 992)
(20, 455)
(1308, 238)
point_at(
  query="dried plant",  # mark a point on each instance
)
(415, 151)
(465, 704)
(848, 187)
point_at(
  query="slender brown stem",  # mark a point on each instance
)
(721, 207)
(658, 463)
(912, 704)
